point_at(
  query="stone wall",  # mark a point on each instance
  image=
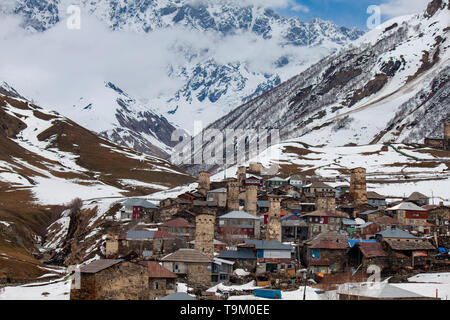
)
(123, 281)
(199, 274)
(358, 190)
(112, 245)
(233, 195)
(255, 168)
(274, 219)
(251, 197)
(326, 202)
(241, 174)
(204, 182)
(204, 234)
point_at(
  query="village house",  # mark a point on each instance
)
(404, 249)
(317, 187)
(111, 279)
(179, 227)
(218, 245)
(135, 209)
(191, 265)
(272, 256)
(253, 180)
(411, 216)
(294, 228)
(368, 230)
(418, 199)
(244, 257)
(297, 181)
(263, 206)
(161, 281)
(171, 207)
(365, 253)
(156, 241)
(376, 200)
(219, 196)
(385, 222)
(239, 225)
(321, 220)
(439, 216)
(221, 271)
(275, 182)
(326, 254)
(371, 215)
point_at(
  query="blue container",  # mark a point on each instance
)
(268, 294)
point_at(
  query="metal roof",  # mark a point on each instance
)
(155, 270)
(412, 245)
(352, 242)
(396, 233)
(99, 265)
(268, 245)
(417, 196)
(220, 190)
(139, 203)
(263, 203)
(238, 215)
(178, 296)
(140, 235)
(407, 206)
(371, 249)
(220, 261)
(381, 290)
(239, 254)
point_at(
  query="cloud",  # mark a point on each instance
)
(299, 8)
(395, 8)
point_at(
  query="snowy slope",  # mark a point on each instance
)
(180, 59)
(391, 85)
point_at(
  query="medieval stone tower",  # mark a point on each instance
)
(204, 182)
(251, 198)
(112, 245)
(326, 201)
(255, 168)
(233, 195)
(241, 175)
(358, 190)
(204, 234)
(274, 219)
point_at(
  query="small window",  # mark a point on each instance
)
(156, 285)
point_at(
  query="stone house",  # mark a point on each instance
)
(179, 227)
(376, 200)
(385, 222)
(326, 256)
(294, 228)
(297, 180)
(112, 279)
(157, 241)
(320, 221)
(365, 254)
(272, 256)
(219, 196)
(239, 225)
(169, 208)
(135, 209)
(367, 230)
(404, 249)
(275, 182)
(244, 257)
(439, 216)
(411, 216)
(317, 187)
(370, 215)
(418, 199)
(161, 281)
(191, 265)
(221, 270)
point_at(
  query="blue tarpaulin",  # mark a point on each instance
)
(442, 249)
(352, 242)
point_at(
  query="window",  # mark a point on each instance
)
(156, 285)
(315, 253)
(331, 219)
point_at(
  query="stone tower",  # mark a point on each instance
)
(326, 201)
(233, 195)
(204, 182)
(358, 190)
(274, 219)
(204, 234)
(251, 198)
(255, 168)
(241, 175)
(112, 245)
(447, 131)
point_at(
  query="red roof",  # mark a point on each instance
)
(327, 244)
(177, 223)
(155, 270)
(319, 262)
(371, 249)
(161, 234)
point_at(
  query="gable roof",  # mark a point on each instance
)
(268, 245)
(417, 196)
(178, 296)
(407, 206)
(327, 244)
(161, 234)
(396, 233)
(318, 184)
(374, 195)
(139, 235)
(371, 249)
(187, 255)
(99, 265)
(237, 254)
(238, 215)
(421, 244)
(139, 203)
(385, 220)
(155, 270)
(352, 242)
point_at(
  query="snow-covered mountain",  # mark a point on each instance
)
(211, 56)
(391, 85)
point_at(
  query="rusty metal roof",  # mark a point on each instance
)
(155, 270)
(99, 265)
(411, 245)
(371, 249)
